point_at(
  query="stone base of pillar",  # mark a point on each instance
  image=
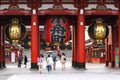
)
(2, 65)
(73, 63)
(106, 63)
(119, 64)
(34, 66)
(113, 64)
(116, 66)
(81, 65)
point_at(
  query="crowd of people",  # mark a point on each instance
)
(22, 58)
(50, 59)
(19, 57)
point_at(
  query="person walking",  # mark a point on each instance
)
(25, 60)
(40, 63)
(54, 61)
(49, 62)
(20, 58)
(63, 60)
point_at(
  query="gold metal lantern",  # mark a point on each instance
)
(98, 31)
(15, 31)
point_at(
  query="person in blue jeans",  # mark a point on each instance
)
(49, 63)
(54, 61)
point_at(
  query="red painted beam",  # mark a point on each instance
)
(15, 12)
(58, 12)
(101, 12)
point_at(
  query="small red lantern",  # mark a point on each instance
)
(57, 30)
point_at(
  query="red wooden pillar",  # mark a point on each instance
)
(3, 47)
(108, 46)
(106, 49)
(81, 40)
(2, 52)
(108, 55)
(113, 47)
(119, 34)
(76, 46)
(73, 46)
(34, 39)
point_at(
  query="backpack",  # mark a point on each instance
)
(54, 59)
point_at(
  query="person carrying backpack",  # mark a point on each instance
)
(54, 61)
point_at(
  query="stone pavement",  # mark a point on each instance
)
(93, 72)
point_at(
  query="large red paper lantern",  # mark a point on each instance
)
(57, 30)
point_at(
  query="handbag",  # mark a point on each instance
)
(65, 59)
